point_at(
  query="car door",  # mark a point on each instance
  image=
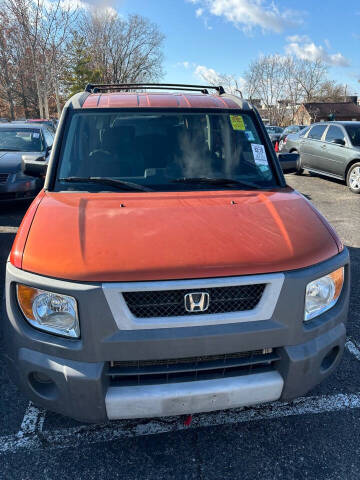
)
(333, 155)
(310, 147)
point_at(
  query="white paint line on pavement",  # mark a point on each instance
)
(4, 229)
(86, 434)
(30, 419)
(33, 421)
(352, 348)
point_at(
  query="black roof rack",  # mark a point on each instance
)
(101, 87)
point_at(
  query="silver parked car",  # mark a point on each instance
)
(329, 148)
(287, 131)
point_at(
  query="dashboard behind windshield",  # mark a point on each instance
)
(157, 149)
(20, 140)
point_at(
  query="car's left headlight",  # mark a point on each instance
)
(51, 312)
(323, 293)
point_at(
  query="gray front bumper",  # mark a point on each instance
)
(192, 397)
(78, 367)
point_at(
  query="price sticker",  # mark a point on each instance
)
(237, 122)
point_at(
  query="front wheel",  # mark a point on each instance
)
(353, 178)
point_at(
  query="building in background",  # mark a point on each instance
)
(308, 113)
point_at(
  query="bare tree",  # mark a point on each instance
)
(7, 64)
(283, 83)
(330, 91)
(293, 90)
(310, 75)
(266, 80)
(27, 15)
(231, 83)
(35, 63)
(43, 29)
(124, 50)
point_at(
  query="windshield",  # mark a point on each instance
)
(163, 151)
(354, 133)
(20, 140)
(274, 130)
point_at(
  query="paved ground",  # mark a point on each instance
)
(316, 437)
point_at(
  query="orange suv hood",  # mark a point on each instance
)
(156, 236)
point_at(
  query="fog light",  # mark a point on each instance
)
(41, 377)
(43, 386)
(330, 358)
(48, 311)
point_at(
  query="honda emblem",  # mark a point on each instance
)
(197, 302)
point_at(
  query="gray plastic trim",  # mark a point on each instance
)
(125, 320)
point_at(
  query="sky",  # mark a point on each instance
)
(224, 36)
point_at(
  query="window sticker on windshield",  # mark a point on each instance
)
(36, 135)
(259, 154)
(250, 135)
(237, 122)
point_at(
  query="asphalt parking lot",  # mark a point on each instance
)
(315, 437)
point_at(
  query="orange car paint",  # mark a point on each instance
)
(17, 250)
(156, 100)
(177, 235)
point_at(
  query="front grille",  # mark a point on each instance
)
(171, 303)
(148, 372)
(4, 177)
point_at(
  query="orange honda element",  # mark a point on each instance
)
(166, 268)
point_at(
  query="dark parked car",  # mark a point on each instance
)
(274, 133)
(329, 148)
(288, 130)
(18, 141)
(49, 123)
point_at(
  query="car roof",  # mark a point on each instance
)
(349, 122)
(160, 100)
(336, 122)
(25, 126)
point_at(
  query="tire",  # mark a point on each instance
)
(300, 170)
(353, 178)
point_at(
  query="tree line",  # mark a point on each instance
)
(49, 50)
(280, 84)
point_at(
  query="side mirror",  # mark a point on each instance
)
(338, 141)
(34, 167)
(289, 162)
(48, 150)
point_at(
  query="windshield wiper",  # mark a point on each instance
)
(10, 150)
(216, 181)
(107, 181)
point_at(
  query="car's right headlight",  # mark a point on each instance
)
(51, 312)
(323, 293)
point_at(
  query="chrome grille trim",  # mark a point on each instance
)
(171, 303)
(125, 320)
